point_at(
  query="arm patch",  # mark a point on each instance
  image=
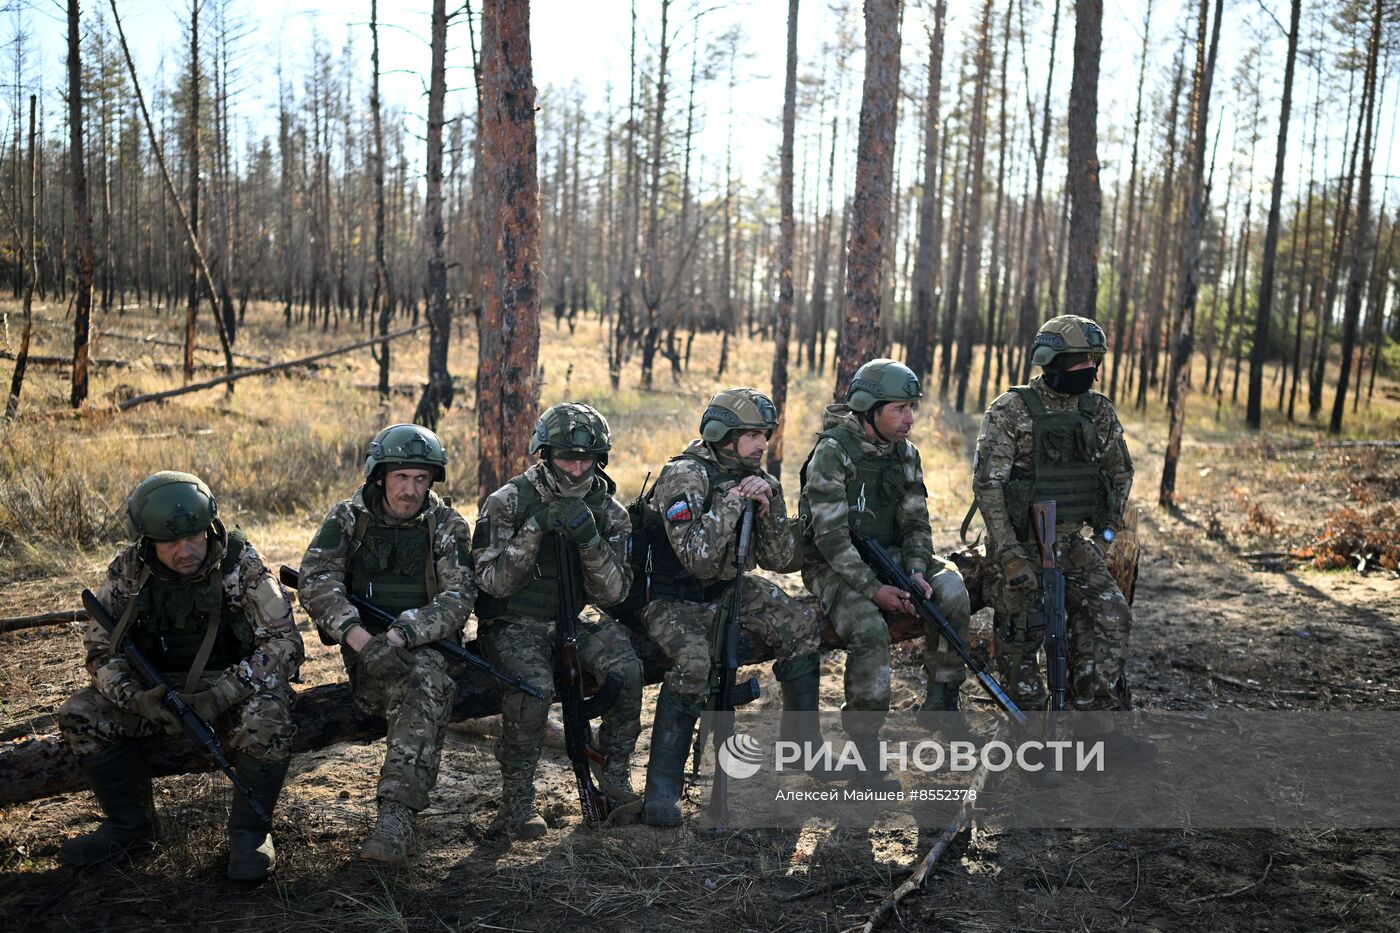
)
(330, 535)
(679, 511)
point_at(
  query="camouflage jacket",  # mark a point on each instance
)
(829, 471)
(249, 588)
(506, 561)
(323, 594)
(705, 541)
(1006, 441)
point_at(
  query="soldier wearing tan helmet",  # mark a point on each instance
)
(199, 603)
(692, 521)
(1057, 439)
(399, 546)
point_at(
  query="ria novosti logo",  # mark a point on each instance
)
(741, 756)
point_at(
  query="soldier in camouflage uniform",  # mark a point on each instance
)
(698, 503)
(565, 499)
(398, 545)
(199, 603)
(1056, 440)
(864, 475)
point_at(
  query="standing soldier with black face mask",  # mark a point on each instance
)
(694, 515)
(198, 602)
(564, 500)
(1054, 439)
(399, 546)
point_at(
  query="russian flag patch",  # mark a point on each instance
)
(679, 511)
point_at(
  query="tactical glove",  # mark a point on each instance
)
(1020, 573)
(150, 705)
(212, 703)
(574, 518)
(385, 660)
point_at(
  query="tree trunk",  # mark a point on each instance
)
(1030, 299)
(1082, 172)
(782, 325)
(507, 372)
(972, 263)
(31, 269)
(870, 206)
(928, 258)
(192, 308)
(82, 223)
(437, 394)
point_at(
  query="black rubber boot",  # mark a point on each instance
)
(874, 777)
(942, 713)
(251, 856)
(121, 782)
(801, 684)
(671, 733)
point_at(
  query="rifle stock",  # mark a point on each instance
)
(199, 732)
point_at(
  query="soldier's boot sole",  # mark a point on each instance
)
(121, 782)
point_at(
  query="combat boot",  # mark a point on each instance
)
(671, 731)
(801, 684)
(874, 777)
(388, 843)
(624, 805)
(518, 815)
(121, 782)
(251, 855)
(942, 713)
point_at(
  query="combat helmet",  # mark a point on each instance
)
(169, 505)
(882, 381)
(737, 410)
(406, 445)
(575, 427)
(1067, 334)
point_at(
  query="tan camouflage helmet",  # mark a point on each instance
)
(169, 505)
(406, 445)
(575, 427)
(741, 409)
(882, 380)
(1068, 333)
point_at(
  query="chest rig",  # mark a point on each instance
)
(392, 566)
(872, 495)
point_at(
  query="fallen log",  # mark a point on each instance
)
(43, 618)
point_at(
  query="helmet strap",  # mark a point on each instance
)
(868, 416)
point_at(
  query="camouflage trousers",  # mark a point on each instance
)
(863, 628)
(684, 631)
(524, 647)
(262, 724)
(1098, 620)
(417, 706)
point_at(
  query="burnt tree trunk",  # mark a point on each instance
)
(1082, 172)
(31, 271)
(192, 307)
(782, 325)
(437, 393)
(928, 258)
(82, 223)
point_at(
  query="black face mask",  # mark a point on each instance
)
(1071, 383)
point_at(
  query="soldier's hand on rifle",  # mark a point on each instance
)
(212, 703)
(382, 658)
(924, 587)
(1020, 573)
(150, 704)
(755, 488)
(574, 518)
(894, 600)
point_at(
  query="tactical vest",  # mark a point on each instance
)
(873, 494)
(171, 617)
(392, 566)
(539, 597)
(1064, 468)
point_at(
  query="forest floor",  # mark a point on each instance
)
(1232, 611)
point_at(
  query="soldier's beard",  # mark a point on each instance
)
(573, 487)
(730, 460)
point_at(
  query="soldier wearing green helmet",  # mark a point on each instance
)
(566, 499)
(198, 601)
(692, 519)
(864, 474)
(1057, 439)
(398, 545)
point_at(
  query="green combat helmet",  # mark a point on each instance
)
(1067, 334)
(882, 381)
(575, 427)
(737, 410)
(169, 505)
(406, 445)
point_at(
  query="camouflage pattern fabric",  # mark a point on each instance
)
(1099, 619)
(845, 585)
(417, 704)
(322, 591)
(508, 547)
(248, 588)
(705, 541)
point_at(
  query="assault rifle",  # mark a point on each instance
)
(1049, 610)
(889, 572)
(568, 681)
(725, 694)
(369, 612)
(196, 729)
